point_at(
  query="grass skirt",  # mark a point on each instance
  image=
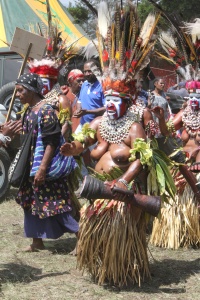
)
(179, 224)
(112, 243)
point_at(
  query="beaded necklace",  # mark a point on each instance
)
(191, 121)
(115, 131)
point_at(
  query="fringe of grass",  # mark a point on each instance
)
(179, 224)
(112, 243)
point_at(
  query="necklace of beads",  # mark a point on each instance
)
(115, 131)
(191, 121)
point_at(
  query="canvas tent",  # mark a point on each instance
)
(27, 13)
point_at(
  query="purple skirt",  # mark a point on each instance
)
(49, 228)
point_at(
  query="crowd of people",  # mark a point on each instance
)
(105, 109)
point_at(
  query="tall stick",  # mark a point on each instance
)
(20, 73)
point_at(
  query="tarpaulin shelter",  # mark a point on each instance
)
(25, 14)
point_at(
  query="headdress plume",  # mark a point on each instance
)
(125, 49)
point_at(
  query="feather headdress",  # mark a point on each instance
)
(124, 46)
(181, 43)
(58, 52)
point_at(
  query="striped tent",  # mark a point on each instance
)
(25, 14)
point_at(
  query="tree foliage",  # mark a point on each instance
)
(82, 13)
(79, 13)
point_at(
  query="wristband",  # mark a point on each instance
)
(124, 182)
(4, 138)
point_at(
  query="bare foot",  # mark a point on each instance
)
(34, 248)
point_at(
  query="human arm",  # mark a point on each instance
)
(135, 167)
(50, 134)
(64, 115)
(40, 175)
(78, 146)
(81, 112)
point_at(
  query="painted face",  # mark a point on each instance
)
(47, 85)
(195, 104)
(115, 107)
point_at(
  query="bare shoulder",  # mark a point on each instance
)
(147, 112)
(137, 130)
(95, 123)
(64, 101)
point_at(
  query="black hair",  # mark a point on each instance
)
(156, 80)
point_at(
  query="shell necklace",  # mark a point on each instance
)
(115, 131)
(191, 121)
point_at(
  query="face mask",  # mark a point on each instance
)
(115, 107)
(195, 104)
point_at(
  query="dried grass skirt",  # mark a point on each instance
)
(179, 224)
(112, 243)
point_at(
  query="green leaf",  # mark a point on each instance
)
(160, 178)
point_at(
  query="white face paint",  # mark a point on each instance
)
(114, 107)
(47, 85)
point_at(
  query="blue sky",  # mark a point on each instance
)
(66, 2)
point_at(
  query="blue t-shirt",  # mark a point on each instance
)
(91, 97)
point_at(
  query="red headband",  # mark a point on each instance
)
(74, 74)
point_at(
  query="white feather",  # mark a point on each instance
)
(104, 19)
(147, 28)
(193, 29)
(90, 50)
(190, 72)
(167, 41)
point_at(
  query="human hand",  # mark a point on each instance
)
(11, 128)
(193, 153)
(158, 112)
(68, 149)
(40, 177)
(79, 113)
(120, 196)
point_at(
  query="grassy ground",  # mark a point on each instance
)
(52, 273)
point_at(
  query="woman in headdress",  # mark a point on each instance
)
(112, 236)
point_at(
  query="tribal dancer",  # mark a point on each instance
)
(112, 236)
(179, 223)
